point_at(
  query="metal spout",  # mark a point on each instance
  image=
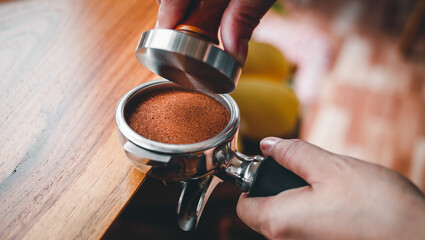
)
(193, 199)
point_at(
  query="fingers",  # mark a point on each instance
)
(171, 12)
(251, 211)
(238, 22)
(279, 214)
(304, 159)
(272, 215)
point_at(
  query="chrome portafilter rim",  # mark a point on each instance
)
(166, 148)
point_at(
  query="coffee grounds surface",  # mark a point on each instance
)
(176, 116)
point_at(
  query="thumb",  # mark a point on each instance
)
(238, 22)
(304, 159)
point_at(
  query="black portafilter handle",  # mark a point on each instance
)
(272, 178)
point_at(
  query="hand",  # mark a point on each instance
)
(347, 199)
(237, 24)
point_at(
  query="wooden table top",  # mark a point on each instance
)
(63, 67)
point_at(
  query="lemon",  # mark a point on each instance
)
(258, 77)
(267, 61)
(267, 108)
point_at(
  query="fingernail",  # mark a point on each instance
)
(157, 23)
(268, 143)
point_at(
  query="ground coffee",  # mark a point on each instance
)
(176, 116)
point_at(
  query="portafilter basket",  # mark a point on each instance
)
(201, 166)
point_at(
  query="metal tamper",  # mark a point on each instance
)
(189, 55)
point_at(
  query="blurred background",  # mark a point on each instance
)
(348, 76)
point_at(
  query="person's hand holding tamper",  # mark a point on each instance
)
(239, 19)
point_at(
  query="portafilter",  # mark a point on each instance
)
(202, 165)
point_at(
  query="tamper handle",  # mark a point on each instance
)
(204, 17)
(271, 178)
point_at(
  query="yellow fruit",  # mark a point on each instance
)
(266, 60)
(267, 108)
(258, 77)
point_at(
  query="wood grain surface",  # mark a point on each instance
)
(63, 67)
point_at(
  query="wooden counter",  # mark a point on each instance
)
(63, 67)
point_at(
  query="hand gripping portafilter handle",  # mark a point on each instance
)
(203, 18)
(272, 178)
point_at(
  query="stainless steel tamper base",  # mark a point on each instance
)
(188, 60)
